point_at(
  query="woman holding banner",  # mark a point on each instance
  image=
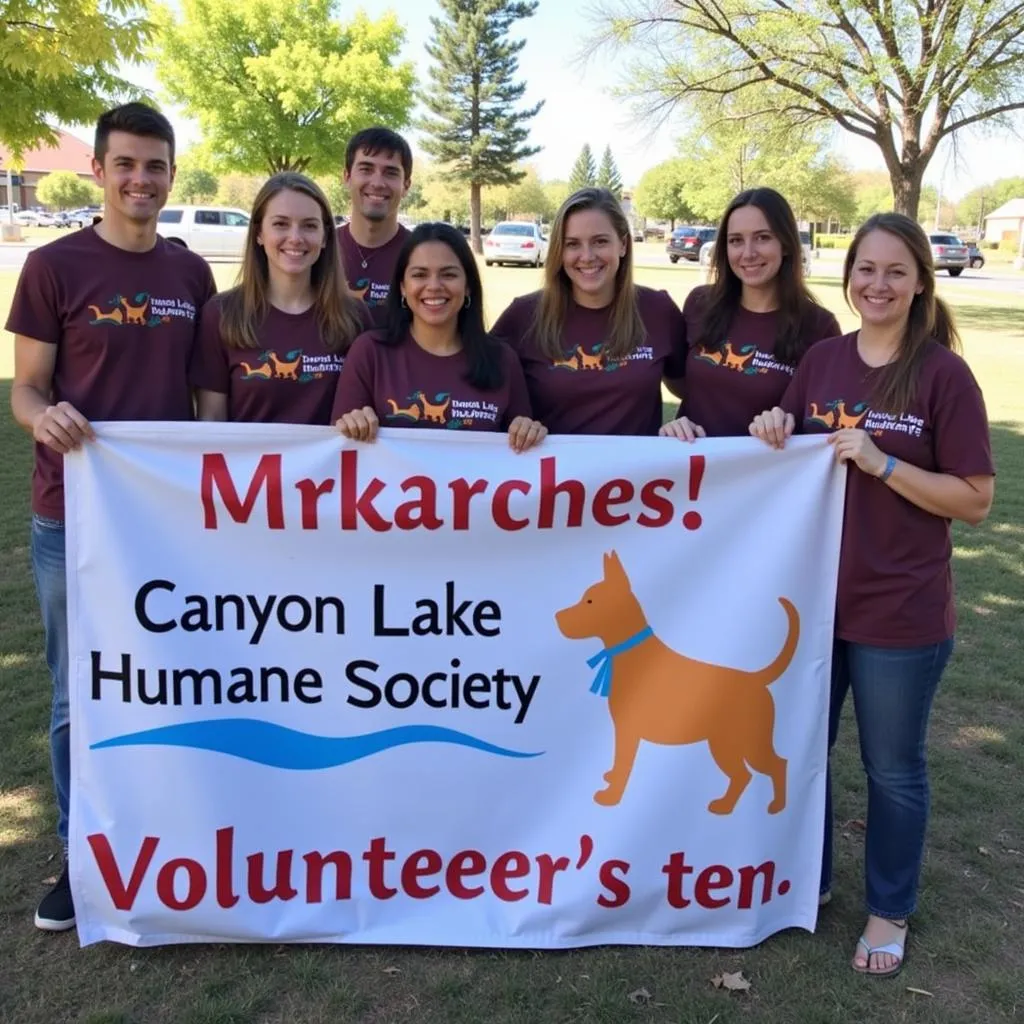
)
(748, 329)
(269, 350)
(435, 365)
(904, 414)
(595, 347)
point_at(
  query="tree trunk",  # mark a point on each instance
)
(906, 188)
(474, 217)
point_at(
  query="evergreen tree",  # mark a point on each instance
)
(584, 171)
(608, 174)
(475, 131)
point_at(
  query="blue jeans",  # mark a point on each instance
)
(51, 587)
(892, 689)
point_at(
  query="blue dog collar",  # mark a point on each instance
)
(602, 683)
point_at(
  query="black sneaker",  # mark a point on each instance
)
(56, 912)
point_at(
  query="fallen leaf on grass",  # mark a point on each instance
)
(641, 997)
(52, 880)
(984, 851)
(921, 992)
(392, 970)
(734, 982)
(857, 824)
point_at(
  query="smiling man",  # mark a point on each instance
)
(378, 172)
(104, 322)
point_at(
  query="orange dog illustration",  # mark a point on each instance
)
(134, 314)
(590, 361)
(656, 694)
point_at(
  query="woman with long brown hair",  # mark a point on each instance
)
(270, 349)
(595, 347)
(903, 412)
(749, 328)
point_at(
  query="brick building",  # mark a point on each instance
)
(70, 154)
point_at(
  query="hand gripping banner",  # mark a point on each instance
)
(429, 691)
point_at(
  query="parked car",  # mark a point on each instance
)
(516, 242)
(685, 243)
(35, 218)
(207, 230)
(975, 257)
(949, 253)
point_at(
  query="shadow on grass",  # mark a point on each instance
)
(995, 318)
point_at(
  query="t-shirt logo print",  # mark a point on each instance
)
(273, 367)
(125, 312)
(729, 359)
(834, 415)
(580, 359)
(422, 409)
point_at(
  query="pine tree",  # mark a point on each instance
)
(476, 132)
(584, 171)
(608, 174)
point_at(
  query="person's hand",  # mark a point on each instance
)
(359, 424)
(62, 427)
(773, 426)
(857, 447)
(524, 433)
(683, 428)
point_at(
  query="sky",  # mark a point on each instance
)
(579, 105)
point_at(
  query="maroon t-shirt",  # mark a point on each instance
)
(728, 386)
(124, 324)
(585, 393)
(409, 387)
(369, 271)
(895, 582)
(289, 377)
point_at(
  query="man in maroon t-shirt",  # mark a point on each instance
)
(104, 322)
(378, 172)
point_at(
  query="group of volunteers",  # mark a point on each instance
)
(372, 325)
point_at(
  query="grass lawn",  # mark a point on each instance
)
(966, 952)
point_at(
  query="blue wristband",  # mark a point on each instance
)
(890, 465)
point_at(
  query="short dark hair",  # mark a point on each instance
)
(482, 348)
(135, 119)
(379, 140)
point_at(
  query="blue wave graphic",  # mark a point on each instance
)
(280, 747)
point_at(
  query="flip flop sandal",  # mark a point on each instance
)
(896, 949)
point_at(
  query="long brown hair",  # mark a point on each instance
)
(795, 302)
(626, 329)
(246, 306)
(929, 318)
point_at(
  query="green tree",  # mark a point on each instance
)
(281, 85)
(584, 171)
(904, 74)
(65, 190)
(973, 207)
(661, 192)
(60, 63)
(735, 145)
(474, 127)
(608, 174)
(238, 190)
(195, 180)
(557, 192)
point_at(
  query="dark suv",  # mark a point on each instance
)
(685, 243)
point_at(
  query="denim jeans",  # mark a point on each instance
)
(892, 689)
(51, 586)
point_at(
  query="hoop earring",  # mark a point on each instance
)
(404, 306)
(468, 302)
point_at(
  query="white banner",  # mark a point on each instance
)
(428, 691)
